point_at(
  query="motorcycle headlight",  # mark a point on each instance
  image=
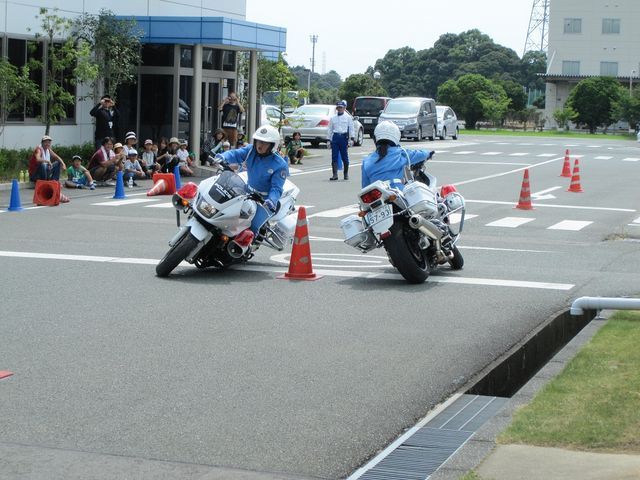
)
(206, 209)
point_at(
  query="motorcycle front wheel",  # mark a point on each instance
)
(176, 254)
(403, 248)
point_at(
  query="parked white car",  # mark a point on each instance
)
(312, 121)
(447, 122)
(271, 115)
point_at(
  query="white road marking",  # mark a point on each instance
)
(464, 152)
(160, 205)
(128, 201)
(637, 220)
(572, 225)
(525, 144)
(491, 153)
(503, 143)
(546, 155)
(594, 146)
(603, 157)
(630, 159)
(320, 170)
(456, 217)
(463, 162)
(337, 212)
(519, 154)
(510, 222)
(571, 207)
(544, 194)
(25, 208)
(326, 239)
(495, 282)
(351, 260)
(298, 170)
(507, 172)
(131, 195)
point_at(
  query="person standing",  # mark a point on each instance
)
(231, 110)
(107, 116)
(341, 136)
(45, 164)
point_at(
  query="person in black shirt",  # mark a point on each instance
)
(107, 116)
(231, 110)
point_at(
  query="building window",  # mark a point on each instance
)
(186, 60)
(608, 69)
(229, 60)
(211, 59)
(572, 25)
(610, 25)
(571, 68)
(155, 55)
(156, 106)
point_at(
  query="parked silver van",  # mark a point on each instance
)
(415, 116)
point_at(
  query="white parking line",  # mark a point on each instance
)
(631, 159)
(337, 212)
(464, 152)
(519, 154)
(491, 153)
(456, 217)
(160, 205)
(495, 282)
(602, 157)
(510, 222)
(571, 207)
(571, 225)
(128, 201)
(546, 155)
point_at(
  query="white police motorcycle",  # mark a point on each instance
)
(219, 212)
(416, 226)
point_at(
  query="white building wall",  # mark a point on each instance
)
(19, 19)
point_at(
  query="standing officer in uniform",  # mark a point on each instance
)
(340, 136)
(266, 170)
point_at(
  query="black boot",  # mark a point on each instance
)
(334, 167)
(346, 171)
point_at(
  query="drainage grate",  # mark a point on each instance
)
(430, 446)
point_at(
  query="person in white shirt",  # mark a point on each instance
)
(185, 159)
(341, 137)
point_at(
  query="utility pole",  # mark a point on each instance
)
(314, 40)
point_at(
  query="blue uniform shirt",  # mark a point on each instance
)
(391, 167)
(266, 174)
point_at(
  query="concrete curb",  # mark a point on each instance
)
(483, 441)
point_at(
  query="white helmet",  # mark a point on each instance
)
(267, 133)
(387, 130)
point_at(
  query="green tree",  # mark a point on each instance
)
(594, 100)
(69, 63)
(474, 97)
(627, 108)
(116, 44)
(533, 64)
(15, 88)
(563, 116)
(358, 85)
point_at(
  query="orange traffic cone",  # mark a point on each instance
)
(158, 188)
(575, 178)
(300, 267)
(525, 193)
(566, 168)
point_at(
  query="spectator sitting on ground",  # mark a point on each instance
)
(148, 160)
(241, 143)
(78, 176)
(132, 168)
(295, 152)
(45, 164)
(104, 162)
(226, 146)
(212, 145)
(185, 160)
(169, 159)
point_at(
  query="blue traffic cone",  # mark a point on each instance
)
(119, 195)
(176, 174)
(14, 204)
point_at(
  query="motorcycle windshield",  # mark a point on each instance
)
(229, 185)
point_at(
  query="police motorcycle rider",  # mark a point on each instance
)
(388, 161)
(266, 171)
(341, 137)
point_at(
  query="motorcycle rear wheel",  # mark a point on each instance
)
(176, 254)
(402, 246)
(457, 262)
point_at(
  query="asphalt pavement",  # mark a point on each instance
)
(212, 370)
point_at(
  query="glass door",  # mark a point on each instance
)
(210, 101)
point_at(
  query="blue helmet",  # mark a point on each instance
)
(341, 103)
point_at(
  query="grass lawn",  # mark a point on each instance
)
(550, 133)
(594, 403)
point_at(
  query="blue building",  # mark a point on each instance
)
(189, 64)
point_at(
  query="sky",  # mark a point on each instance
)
(353, 34)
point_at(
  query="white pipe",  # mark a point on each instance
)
(603, 303)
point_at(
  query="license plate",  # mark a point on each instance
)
(379, 215)
(368, 120)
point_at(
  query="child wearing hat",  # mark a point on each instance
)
(148, 160)
(185, 159)
(132, 168)
(78, 176)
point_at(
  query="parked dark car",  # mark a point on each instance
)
(415, 117)
(368, 109)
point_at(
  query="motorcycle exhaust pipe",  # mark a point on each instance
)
(236, 250)
(426, 227)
